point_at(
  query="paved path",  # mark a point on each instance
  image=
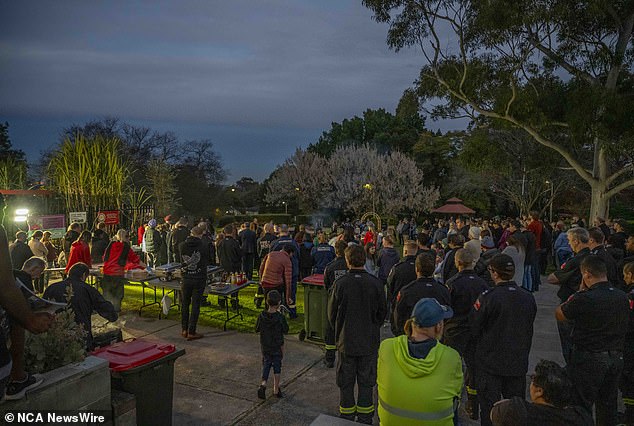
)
(216, 381)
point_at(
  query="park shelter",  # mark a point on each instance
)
(454, 206)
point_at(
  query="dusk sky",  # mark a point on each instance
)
(257, 78)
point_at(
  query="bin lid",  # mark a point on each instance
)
(315, 279)
(124, 356)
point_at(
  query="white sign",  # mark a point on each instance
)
(79, 217)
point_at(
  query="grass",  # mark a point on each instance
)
(214, 316)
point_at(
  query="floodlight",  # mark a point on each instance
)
(22, 212)
(20, 219)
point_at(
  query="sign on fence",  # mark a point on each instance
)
(55, 223)
(79, 217)
(109, 217)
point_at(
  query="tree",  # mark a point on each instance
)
(162, 179)
(357, 179)
(557, 70)
(13, 167)
(90, 172)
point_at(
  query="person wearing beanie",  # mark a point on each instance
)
(502, 326)
(153, 243)
(419, 379)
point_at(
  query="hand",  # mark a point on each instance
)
(39, 322)
(289, 301)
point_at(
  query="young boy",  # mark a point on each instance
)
(272, 326)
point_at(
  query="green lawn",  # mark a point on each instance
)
(214, 316)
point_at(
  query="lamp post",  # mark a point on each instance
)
(370, 188)
(552, 196)
(285, 207)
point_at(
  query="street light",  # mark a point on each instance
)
(285, 207)
(370, 188)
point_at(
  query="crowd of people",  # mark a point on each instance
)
(458, 301)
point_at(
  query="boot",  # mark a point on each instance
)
(472, 407)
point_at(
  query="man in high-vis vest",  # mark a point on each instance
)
(419, 379)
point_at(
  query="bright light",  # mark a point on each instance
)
(368, 186)
(233, 190)
(20, 219)
(22, 212)
(296, 189)
(283, 202)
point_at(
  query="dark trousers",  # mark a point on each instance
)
(359, 370)
(192, 294)
(565, 330)
(627, 389)
(492, 388)
(247, 264)
(595, 376)
(113, 287)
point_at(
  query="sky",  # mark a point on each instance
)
(257, 78)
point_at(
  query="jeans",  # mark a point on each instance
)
(192, 294)
(271, 361)
(595, 376)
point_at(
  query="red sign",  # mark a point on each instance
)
(110, 217)
(47, 222)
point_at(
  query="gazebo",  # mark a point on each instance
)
(454, 206)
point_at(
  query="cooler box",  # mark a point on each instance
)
(146, 370)
(315, 307)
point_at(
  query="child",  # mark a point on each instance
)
(272, 326)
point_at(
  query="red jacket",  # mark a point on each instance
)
(111, 257)
(79, 252)
(140, 231)
(369, 238)
(536, 228)
(276, 270)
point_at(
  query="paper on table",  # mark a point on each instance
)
(36, 303)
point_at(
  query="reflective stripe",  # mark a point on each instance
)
(331, 347)
(471, 391)
(259, 296)
(365, 410)
(628, 401)
(291, 306)
(350, 410)
(416, 415)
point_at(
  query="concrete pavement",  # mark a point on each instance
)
(216, 381)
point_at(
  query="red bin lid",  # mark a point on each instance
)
(124, 356)
(315, 279)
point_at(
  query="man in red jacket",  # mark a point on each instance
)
(276, 272)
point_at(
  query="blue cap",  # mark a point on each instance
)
(152, 223)
(428, 312)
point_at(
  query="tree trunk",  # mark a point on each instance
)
(599, 203)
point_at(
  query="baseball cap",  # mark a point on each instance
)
(487, 242)
(428, 312)
(152, 223)
(502, 263)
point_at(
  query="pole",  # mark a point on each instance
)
(552, 196)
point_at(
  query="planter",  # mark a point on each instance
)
(83, 386)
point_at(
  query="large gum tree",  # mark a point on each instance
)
(560, 70)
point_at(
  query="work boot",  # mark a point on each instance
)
(472, 407)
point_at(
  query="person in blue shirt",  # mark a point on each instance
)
(322, 254)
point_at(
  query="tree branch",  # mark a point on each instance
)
(532, 39)
(619, 173)
(618, 188)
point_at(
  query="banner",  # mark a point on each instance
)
(55, 223)
(109, 217)
(79, 217)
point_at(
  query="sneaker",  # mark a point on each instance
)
(17, 390)
(262, 392)
(194, 336)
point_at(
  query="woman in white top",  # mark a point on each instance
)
(516, 250)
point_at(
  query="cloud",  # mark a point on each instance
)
(265, 63)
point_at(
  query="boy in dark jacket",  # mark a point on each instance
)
(272, 326)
